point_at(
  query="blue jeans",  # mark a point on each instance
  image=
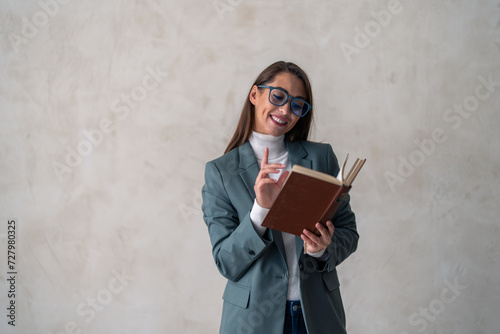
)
(294, 321)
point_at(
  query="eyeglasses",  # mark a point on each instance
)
(279, 97)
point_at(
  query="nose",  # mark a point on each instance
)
(287, 107)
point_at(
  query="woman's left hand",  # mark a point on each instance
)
(316, 243)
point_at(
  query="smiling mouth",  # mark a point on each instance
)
(279, 121)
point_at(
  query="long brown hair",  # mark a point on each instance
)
(245, 125)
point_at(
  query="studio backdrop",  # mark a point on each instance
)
(109, 111)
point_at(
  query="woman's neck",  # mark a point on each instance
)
(260, 141)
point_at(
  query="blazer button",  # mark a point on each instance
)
(251, 252)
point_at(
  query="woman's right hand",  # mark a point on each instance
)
(266, 188)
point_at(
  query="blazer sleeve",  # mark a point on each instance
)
(345, 237)
(235, 243)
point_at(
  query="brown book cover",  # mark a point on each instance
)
(308, 197)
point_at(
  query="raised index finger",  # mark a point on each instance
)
(264, 158)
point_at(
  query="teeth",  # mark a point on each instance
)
(278, 120)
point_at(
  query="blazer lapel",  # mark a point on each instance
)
(249, 167)
(278, 240)
(299, 247)
(297, 154)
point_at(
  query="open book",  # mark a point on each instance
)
(308, 197)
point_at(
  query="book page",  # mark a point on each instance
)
(340, 176)
(315, 174)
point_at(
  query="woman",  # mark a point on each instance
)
(273, 287)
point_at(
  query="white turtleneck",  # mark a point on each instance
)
(277, 154)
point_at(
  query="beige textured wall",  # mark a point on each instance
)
(110, 109)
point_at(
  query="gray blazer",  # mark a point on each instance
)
(255, 267)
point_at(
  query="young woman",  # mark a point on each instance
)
(273, 287)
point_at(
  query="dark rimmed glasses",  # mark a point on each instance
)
(279, 97)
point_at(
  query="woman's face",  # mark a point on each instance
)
(271, 119)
